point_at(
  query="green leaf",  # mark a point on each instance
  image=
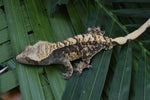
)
(133, 12)
(46, 87)
(119, 89)
(51, 5)
(141, 80)
(3, 23)
(4, 36)
(1, 3)
(137, 1)
(78, 14)
(5, 53)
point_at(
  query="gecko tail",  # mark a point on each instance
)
(133, 35)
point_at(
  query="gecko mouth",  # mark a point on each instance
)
(18, 58)
(21, 59)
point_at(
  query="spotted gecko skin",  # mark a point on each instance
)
(83, 46)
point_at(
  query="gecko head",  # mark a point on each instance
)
(34, 54)
(28, 56)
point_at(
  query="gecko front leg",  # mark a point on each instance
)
(87, 54)
(69, 69)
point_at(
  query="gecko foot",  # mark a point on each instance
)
(81, 66)
(67, 74)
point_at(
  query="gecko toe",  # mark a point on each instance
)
(90, 66)
(67, 75)
(79, 73)
(66, 78)
(63, 74)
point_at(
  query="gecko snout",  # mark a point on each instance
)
(21, 59)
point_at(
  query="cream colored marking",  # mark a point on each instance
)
(54, 46)
(74, 56)
(87, 54)
(86, 49)
(89, 29)
(91, 38)
(102, 39)
(79, 38)
(72, 41)
(60, 45)
(98, 28)
(98, 38)
(88, 37)
(66, 42)
(110, 47)
(133, 35)
(91, 48)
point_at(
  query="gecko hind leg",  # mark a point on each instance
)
(87, 54)
(80, 66)
(95, 30)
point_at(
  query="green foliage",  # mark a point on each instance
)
(119, 74)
